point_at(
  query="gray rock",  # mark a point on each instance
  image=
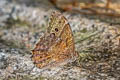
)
(3, 59)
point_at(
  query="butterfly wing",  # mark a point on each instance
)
(56, 24)
(57, 46)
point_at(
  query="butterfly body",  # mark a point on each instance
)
(57, 45)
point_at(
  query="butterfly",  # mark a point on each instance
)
(57, 46)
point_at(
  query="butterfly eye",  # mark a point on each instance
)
(56, 29)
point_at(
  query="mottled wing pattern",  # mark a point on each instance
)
(56, 24)
(57, 46)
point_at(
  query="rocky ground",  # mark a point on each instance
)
(23, 22)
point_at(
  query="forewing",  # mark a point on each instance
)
(57, 46)
(56, 24)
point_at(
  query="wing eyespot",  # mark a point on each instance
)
(56, 29)
(52, 35)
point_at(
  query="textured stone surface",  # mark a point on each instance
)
(23, 22)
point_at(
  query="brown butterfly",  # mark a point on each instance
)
(56, 47)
